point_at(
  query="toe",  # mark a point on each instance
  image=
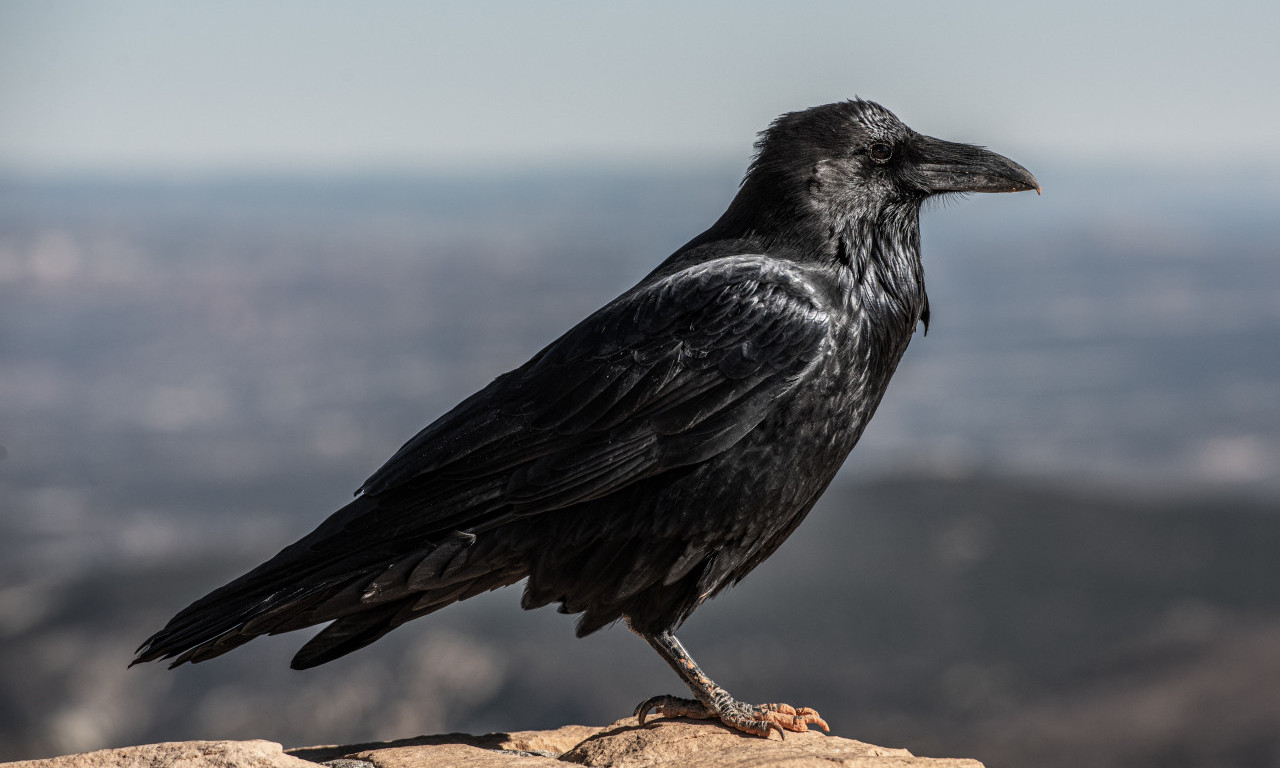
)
(671, 706)
(756, 727)
(811, 717)
(794, 719)
(790, 722)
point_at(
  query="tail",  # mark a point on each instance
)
(364, 587)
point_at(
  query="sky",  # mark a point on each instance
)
(152, 86)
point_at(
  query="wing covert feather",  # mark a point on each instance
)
(672, 372)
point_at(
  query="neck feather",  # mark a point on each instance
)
(882, 256)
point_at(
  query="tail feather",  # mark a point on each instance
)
(350, 633)
(296, 573)
(211, 649)
(353, 632)
(365, 591)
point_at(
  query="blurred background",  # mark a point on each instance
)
(246, 250)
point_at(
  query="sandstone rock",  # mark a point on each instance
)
(177, 754)
(659, 744)
(519, 749)
(671, 743)
(544, 743)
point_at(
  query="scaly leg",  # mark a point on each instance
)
(714, 702)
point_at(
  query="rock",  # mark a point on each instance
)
(672, 743)
(661, 743)
(519, 749)
(178, 754)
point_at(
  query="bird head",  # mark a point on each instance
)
(828, 167)
(859, 153)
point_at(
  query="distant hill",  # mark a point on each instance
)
(970, 616)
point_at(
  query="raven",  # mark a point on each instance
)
(661, 448)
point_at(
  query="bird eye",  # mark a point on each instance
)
(881, 152)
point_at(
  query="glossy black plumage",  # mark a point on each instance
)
(663, 447)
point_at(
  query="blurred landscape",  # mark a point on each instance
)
(1055, 545)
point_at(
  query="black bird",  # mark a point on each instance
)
(661, 448)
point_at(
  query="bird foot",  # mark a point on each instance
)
(756, 719)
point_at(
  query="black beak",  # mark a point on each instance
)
(939, 166)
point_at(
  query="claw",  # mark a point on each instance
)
(672, 706)
(642, 709)
(758, 720)
(794, 719)
(812, 717)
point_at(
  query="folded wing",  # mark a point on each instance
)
(670, 374)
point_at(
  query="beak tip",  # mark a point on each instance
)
(1029, 183)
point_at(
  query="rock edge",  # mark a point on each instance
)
(661, 743)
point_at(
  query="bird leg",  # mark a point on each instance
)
(713, 702)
